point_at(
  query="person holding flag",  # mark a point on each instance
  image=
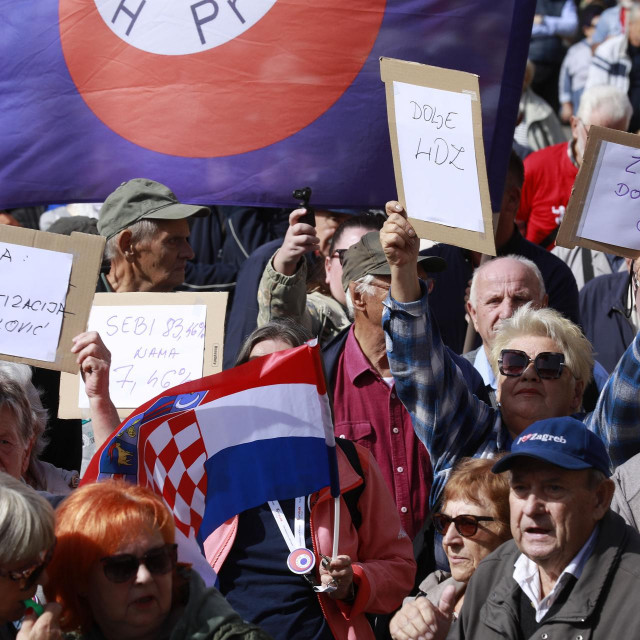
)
(286, 558)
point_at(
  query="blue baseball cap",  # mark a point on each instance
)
(564, 442)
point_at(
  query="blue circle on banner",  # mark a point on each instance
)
(301, 561)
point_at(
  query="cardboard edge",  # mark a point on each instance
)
(568, 232)
(87, 251)
(393, 70)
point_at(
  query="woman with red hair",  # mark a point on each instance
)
(116, 576)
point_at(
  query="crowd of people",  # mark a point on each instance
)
(485, 410)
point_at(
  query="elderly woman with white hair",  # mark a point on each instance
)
(22, 425)
(23, 419)
(542, 361)
(27, 534)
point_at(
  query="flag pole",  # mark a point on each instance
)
(336, 526)
(333, 460)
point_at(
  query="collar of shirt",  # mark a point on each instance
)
(526, 574)
(481, 363)
(355, 362)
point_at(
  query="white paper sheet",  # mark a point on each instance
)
(612, 207)
(153, 347)
(33, 289)
(437, 156)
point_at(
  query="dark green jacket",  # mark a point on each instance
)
(205, 616)
(603, 604)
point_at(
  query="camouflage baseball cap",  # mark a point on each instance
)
(142, 199)
(366, 257)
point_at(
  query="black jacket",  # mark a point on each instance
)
(602, 302)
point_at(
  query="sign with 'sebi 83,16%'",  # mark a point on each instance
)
(156, 340)
(152, 348)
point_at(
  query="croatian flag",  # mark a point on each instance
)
(217, 446)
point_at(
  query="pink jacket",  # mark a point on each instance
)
(381, 552)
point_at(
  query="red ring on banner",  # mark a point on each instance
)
(265, 85)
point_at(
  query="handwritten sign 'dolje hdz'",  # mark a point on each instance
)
(435, 129)
(33, 290)
(437, 154)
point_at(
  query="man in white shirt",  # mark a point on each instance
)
(498, 288)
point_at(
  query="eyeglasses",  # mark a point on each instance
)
(339, 253)
(30, 575)
(466, 525)
(514, 363)
(123, 567)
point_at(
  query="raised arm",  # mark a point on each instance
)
(615, 418)
(447, 417)
(282, 290)
(95, 361)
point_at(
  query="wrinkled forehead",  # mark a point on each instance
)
(509, 278)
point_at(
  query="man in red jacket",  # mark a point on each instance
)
(550, 173)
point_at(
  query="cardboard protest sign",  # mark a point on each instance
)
(604, 208)
(157, 341)
(47, 282)
(438, 155)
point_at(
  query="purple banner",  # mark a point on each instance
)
(231, 101)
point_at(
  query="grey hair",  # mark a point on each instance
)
(473, 292)
(548, 323)
(26, 521)
(363, 285)
(607, 100)
(18, 394)
(141, 231)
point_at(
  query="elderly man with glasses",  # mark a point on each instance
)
(544, 362)
(572, 564)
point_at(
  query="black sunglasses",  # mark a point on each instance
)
(123, 567)
(514, 363)
(466, 525)
(30, 575)
(339, 253)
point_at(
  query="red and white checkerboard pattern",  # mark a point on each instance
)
(174, 457)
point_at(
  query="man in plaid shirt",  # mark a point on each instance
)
(450, 421)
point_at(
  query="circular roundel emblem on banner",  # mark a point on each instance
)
(301, 560)
(211, 78)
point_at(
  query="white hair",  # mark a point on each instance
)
(26, 521)
(532, 266)
(608, 101)
(18, 394)
(363, 285)
(141, 231)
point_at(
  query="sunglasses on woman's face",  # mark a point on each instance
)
(30, 575)
(548, 365)
(466, 525)
(123, 567)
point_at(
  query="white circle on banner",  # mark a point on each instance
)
(180, 27)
